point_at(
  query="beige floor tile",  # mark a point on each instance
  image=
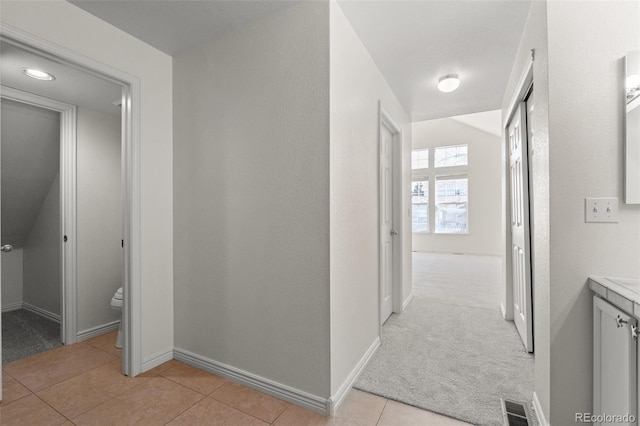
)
(12, 389)
(105, 342)
(359, 408)
(396, 413)
(193, 378)
(57, 365)
(154, 402)
(213, 413)
(298, 416)
(87, 390)
(31, 411)
(258, 404)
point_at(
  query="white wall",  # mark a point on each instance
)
(356, 87)
(485, 209)
(586, 115)
(68, 26)
(12, 279)
(41, 260)
(99, 215)
(251, 200)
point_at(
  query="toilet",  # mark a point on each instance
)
(116, 305)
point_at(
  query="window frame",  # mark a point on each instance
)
(428, 203)
(430, 174)
(453, 176)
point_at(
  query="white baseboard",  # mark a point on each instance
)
(295, 396)
(542, 421)
(96, 331)
(338, 398)
(42, 312)
(155, 360)
(407, 301)
(12, 306)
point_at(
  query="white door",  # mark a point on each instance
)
(520, 248)
(386, 222)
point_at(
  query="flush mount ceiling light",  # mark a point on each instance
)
(37, 74)
(448, 83)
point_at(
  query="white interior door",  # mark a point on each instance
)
(520, 247)
(386, 222)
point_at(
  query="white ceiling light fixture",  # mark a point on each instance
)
(37, 74)
(448, 83)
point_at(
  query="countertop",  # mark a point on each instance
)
(621, 292)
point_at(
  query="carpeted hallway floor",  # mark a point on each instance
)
(25, 333)
(451, 352)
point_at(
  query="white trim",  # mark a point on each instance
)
(157, 359)
(385, 119)
(96, 331)
(521, 89)
(132, 351)
(67, 203)
(406, 302)
(42, 312)
(11, 307)
(503, 310)
(336, 400)
(278, 390)
(537, 408)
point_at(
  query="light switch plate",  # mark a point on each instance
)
(601, 210)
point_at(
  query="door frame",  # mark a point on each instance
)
(522, 89)
(131, 103)
(68, 275)
(385, 120)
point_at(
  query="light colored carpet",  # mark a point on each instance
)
(451, 352)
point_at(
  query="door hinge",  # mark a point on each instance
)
(634, 332)
(65, 239)
(122, 243)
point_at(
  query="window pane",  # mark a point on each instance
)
(452, 197)
(448, 156)
(420, 206)
(420, 158)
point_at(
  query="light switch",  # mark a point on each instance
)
(601, 210)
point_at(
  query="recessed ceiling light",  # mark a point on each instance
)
(37, 74)
(448, 83)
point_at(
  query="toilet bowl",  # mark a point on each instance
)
(116, 305)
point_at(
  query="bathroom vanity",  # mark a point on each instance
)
(616, 311)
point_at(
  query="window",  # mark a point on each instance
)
(420, 158)
(448, 156)
(420, 206)
(452, 197)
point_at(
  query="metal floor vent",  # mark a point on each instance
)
(514, 413)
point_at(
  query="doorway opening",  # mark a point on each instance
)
(127, 181)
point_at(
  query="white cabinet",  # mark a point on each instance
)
(615, 360)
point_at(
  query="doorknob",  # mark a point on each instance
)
(394, 232)
(6, 248)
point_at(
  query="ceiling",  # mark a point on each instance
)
(176, 25)
(30, 151)
(412, 42)
(71, 86)
(415, 42)
(488, 121)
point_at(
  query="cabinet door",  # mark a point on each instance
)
(614, 364)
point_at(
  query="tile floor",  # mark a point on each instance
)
(81, 384)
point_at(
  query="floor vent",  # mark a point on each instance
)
(514, 413)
